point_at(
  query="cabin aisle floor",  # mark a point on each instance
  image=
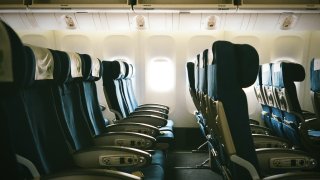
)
(181, 165)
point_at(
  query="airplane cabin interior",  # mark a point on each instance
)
(160, 89)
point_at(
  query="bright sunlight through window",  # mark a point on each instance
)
(161, 74)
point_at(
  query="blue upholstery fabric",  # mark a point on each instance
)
(236, 67)
(314, 77)
(112, 88)
(37, 134)
(315, 88)
(284, 75)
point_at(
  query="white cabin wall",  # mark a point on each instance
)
(314, 52)
(278, 45)
(141, 47)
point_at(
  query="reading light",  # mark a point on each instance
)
(69, 22)
(211, 22)
(140, 22)
(288, 22)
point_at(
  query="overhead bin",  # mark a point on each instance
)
(185, 4)
(79, 4)
(280, 4)
(12, 4)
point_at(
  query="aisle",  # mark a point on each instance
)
(181, 166)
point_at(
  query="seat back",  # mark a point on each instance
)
(315, 85)
(284, 75)
(261, 94)
(203, 82)
(113, 71)
(10, 43)
(236, 67)
(273, 118)
(68, 99)
(89, 96)
(191, 79)
(33, 120)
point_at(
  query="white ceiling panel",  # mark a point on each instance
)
(85, 21)
(266, 22)
(190, 22)
(308, 21)
(46, 21)
(158, 22)
(14, 20)
(60, 18)
(118, 21)
(233, 22)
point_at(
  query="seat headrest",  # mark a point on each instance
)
(190, 70)
(129, 71)
(197, 63)
(76, 65)
(126, 65)
(284, 72)
(86, 65)
(266, 76)
(245, 61)
(16, 69)
(249, 64)
(258, 81)
(62, 66)
(44, 62)
(132, 70)
(315, 75)
(96, 70)
(118, 69)
(205, 58)
(210, 56)
(200, 62)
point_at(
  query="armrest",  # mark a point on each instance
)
(276, 160)
(103, 107)
(266, 141)
(310, 143)
(154, 108)
(146, 111)
(253, 121)
(308, 115)
(257, 129)
(156, 105)
(127, 139)
(111, 156)
(134, 127)
(150, 119)
(97, 174)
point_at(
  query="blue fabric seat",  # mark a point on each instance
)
(113, 72)
(235, 67)
(73, 118)
(35, 134)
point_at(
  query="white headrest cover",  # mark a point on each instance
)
(6, 74)
(201, 61)
(132, 70)
(76, 65)
(44, 63)
(95, 68)
(122, 68)
(210, 56)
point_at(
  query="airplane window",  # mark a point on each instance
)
(161, 74)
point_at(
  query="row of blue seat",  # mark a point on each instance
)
(53, 124)
(281, 111)
(216, 86)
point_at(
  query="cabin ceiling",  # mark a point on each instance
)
(159, 21)
(164, 15)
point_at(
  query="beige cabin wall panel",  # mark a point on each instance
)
(312, 53)
(44, 39)
(273, 46)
